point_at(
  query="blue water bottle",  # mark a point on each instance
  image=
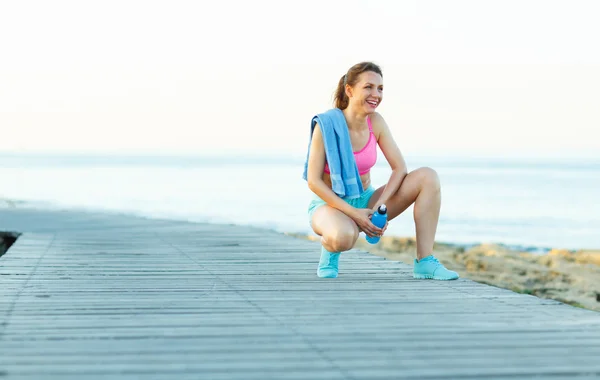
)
(379, 219)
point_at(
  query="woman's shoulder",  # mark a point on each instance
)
(377, 121)
(376, 117)
(379, 125)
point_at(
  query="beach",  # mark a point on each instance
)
(155, 211)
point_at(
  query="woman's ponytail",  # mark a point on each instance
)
(341, 99)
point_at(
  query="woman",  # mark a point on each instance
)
(338, 220)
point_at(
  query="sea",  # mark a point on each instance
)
(528, 203)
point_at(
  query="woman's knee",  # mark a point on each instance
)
(341, 239)
(428, 178)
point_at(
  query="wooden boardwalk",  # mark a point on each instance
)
(93, 296)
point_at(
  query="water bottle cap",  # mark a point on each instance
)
(382, 209)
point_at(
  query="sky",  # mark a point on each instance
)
(501, 78)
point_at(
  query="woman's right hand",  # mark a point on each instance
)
(362, 218)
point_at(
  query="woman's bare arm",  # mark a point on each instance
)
(394, 157)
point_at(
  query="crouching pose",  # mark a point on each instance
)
(342, 151)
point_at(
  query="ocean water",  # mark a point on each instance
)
(524, 202)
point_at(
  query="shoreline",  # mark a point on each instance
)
(568, 276)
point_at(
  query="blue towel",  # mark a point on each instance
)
(345, 178)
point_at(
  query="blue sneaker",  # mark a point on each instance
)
(430, 267)
(328, 265)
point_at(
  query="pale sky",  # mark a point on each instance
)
(461, 77)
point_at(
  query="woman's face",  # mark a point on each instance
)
(367, 93)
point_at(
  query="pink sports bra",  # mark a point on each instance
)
(367, 156)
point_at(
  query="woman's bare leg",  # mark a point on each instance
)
(338, 233)
(421, 187)
(337, 230)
